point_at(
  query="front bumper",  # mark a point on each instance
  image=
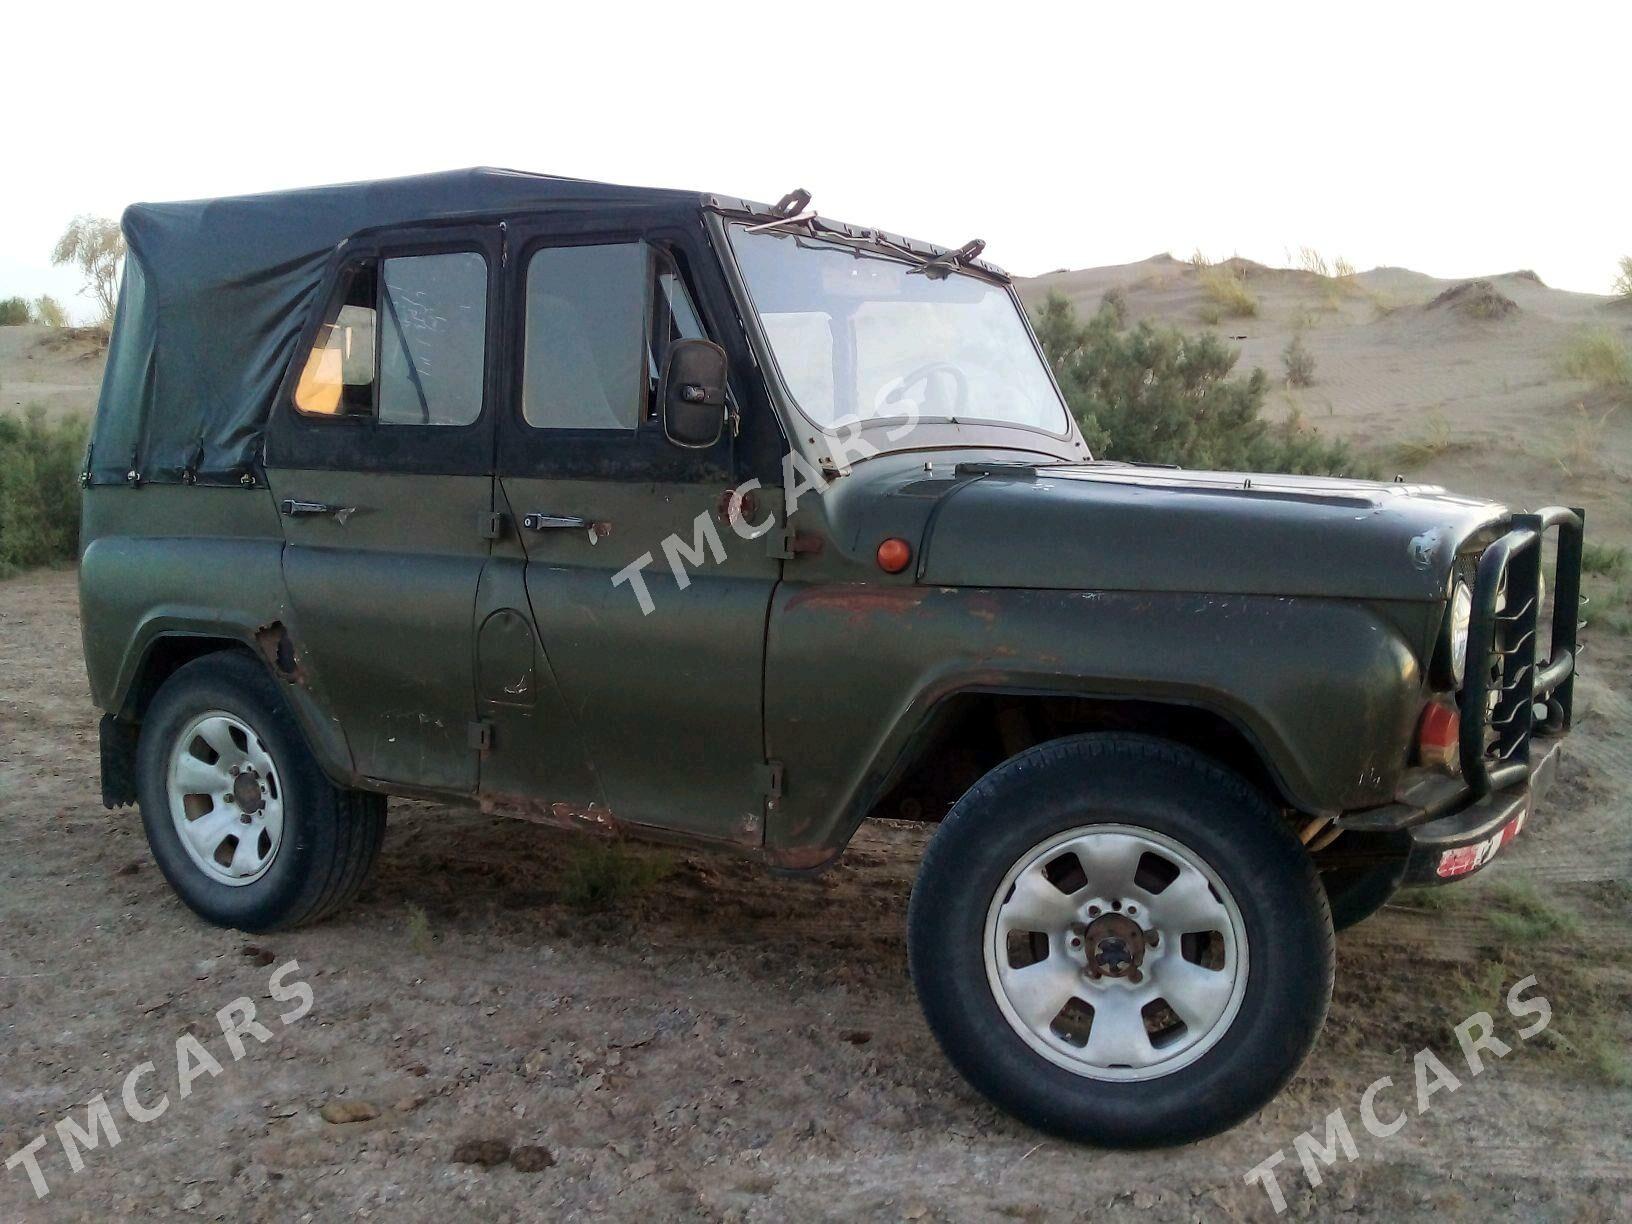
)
(1456, 845)
(1515, 707)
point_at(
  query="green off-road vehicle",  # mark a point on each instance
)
(668, 515)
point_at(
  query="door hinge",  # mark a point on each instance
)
(785, 543)
(481, 736)
(770, 779)
(490, 524)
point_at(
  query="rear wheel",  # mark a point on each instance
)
(1121, 942)
(239, 817)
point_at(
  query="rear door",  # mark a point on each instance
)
(380, 457)
(666, 691)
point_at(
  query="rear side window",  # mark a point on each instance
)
(598, 323)
(406, 344)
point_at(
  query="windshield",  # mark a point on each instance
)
(860, 336)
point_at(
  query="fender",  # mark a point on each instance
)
(1326, 691)
(137, 594)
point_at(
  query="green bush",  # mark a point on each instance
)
(15, 311)
(1155, 395)
(1299, 362)
(1623, 282)
(39, 489)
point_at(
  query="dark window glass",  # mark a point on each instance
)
(582, 367)
(433, 329)
(407, 343)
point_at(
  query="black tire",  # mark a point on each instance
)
(331, 837)
(1154, 785)
(1356, 893)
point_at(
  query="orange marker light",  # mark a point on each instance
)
(1438, 737)
(894, 555)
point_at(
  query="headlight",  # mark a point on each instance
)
(1461, 616)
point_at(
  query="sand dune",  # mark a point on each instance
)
(1391, 368)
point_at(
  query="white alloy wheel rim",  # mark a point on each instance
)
(226, 799)
(1116, 952)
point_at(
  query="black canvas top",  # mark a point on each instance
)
(216, 293)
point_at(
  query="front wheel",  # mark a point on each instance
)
(1120, 942)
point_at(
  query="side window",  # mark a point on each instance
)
(598, 325)
(407, 344)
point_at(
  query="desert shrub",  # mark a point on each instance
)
(1227, 289)
(39, 489)
(1623, 282)
(1478, 299)
(1434, 441)
(15, 311)
(1298, 362)
(49, 311)
(1156, 395)
(1210, 314)
(1115, 300)
(598, 874)
(1599, 356)
(1597, 558)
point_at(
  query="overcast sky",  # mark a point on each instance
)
(1453, 139)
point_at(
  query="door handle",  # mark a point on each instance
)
(537, 521)
(553, 522)
(300, 509)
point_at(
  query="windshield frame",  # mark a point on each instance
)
(943, 432)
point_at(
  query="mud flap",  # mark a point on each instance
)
(118, 749)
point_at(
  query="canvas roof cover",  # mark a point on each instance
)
(216, 293)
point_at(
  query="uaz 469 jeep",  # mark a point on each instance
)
(679, 516)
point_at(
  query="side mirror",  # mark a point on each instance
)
(692, 393)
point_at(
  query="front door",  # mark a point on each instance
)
(380, 458)
(665, 689)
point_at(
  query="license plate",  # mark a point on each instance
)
(1463, 859)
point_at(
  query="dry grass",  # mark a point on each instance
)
(1583, 447)
(1226, 288)
(1599, 356)
(1433, 442)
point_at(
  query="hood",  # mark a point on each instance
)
(1115, 526)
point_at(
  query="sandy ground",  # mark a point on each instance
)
(731, 1046)
(58, 369)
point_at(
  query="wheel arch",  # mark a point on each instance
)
(965, 733)
(165, 649)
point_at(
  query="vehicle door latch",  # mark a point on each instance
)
(481, 736)
(770, 781)
(490, 524)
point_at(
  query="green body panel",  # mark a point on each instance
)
(538, 757)
(669, 703)
(1327, 691)
(383, 601)
(193, 562)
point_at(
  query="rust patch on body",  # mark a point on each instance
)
(556, 814)
(859, 604)
(279, 649)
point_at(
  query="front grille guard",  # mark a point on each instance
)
(1502, 650)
